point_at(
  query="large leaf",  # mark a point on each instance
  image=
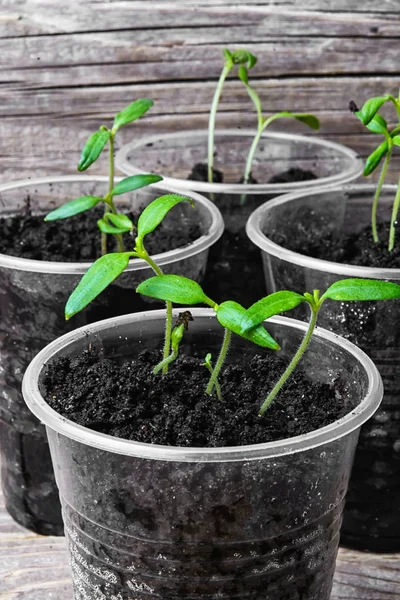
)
(230, 315)
(375, 158)
(362, 289)
(378, 125)
(134, 183)
(93, 148)
(174, 288)
(132, 112)
(74, 207)
(370, 108)
(96, 279)
(269, 306)
(155, 212)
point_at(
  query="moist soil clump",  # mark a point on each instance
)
(128, 401)
(78, 238)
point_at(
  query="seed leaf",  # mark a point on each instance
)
(265, 308)
(96, 279)
(155, 212)
(378, 125)
(244, 57)
(174, 288)
(134, 183)
(120, 221)
(93, 148)
(73, 207)
(370, 108)
(132, 112)
(230, 315)
(106, 227)
(362, 289)
(307, 119)
(375, 158)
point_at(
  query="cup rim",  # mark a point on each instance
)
(354, 163)
(53, 420)
(256, 235)
(135, 264)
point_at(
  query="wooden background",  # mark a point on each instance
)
(67, 67)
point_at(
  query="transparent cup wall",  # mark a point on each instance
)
(158, 521)
(372, 513)
(32, 300)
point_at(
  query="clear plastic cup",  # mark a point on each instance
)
(372, 513)
(173, 155)
(32, 302)
(151, 521)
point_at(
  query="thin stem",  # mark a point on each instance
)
(294, 362)
(220, 362)
(378, 193)
(216, 385)
(393, 220)
(252, 151)
(165, 362)
(107, 207)
(212, 119)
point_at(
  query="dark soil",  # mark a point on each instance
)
(128, 401)
(292, 174)
(77, 238)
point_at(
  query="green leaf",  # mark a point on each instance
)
(243, 74)
(396, 140)
(362, 289)
(155, 212)
(230, 315)
(123, 222)
(96, 279)
(265, 308)
(227, 55)
(307, 119)
(375, 158)
(73, 207)
(134, 183)
(106, 227)
(174, 288)
(370, 108)
(93, 148)
(378, 125)
(132, 112)
(244, 57)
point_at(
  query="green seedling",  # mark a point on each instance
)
(110, 266)
(375, 123)
(249, 323)
(239, 57)
(263, 121)
(181, 325)
(112, 222)
(208, 364)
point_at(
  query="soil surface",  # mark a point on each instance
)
(77, 238)
(128, 401)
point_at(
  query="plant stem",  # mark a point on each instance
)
(212, 119)
(294, 362)
(378, 193)
(250, 156)
(216, 385)
(393, 220)
(165, 362)
(220, 362)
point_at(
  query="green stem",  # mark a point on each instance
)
(378, 193)
(220, 362)
(250, 156)
(294, 362)
(212, 119)
(165, 362)
(216, 385)
(393, 220)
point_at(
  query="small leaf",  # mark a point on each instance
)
(243, 74)
(265, 308)
(155, 212)
(134, 183)
(93, 148)
(132, 112)
(375, 158)
(309, 120)
(370, 108)
(73, 207)
(378, 125)
(120, 221)
(244, 57)
(96, 279)
(173, 288)
(106, 227)
(230, 315)
(362, 289)
(396, 140)
(227, 55)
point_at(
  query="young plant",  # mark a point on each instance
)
(112, 222)
(249, 323)
(263, 121)
(375, 123)
(110, 266)
(239, 57)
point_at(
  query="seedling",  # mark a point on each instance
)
(263, 121)
(112, 222)
(239, 57)
(249, 323)
(369, 117)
